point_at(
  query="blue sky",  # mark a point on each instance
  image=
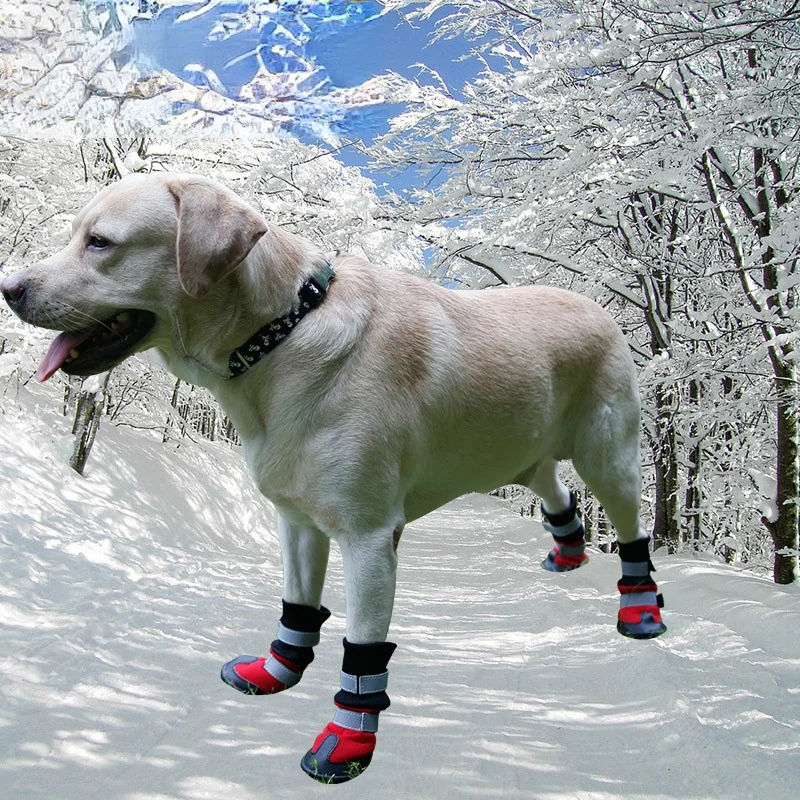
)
(348, 41)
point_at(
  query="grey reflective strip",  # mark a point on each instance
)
(638, 599)
(562, 530)
(297, 638)
(572, 550)
(281, 672)
(356, 720)
(364, 684)
(636, 569)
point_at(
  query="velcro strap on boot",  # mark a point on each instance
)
(561, 531)
(299, 633)
(356, 720)
(281, 672)
(364, 677)
(635, 557)
(364, 684)
(298, 638)
(564, 524)
(571, 551)
(637, 569)
(639, 599)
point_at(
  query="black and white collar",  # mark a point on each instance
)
(311, 294)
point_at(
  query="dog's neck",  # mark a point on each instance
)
(275, 332)
(265, 286)
(273, 272)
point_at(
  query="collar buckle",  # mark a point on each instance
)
(316, 285)
(311, 293)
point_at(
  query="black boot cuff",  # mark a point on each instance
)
(304, 618)
(367, 659)
(635, 551)
(563, 517)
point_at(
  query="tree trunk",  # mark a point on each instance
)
(168, 423)
(784, 529)
(586, 505)
(603, 537)
(666, 530)
(694, 494)
(69, 393)
(88, 411)
(212, 423)
(229, 432)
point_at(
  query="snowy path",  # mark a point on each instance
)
(122, 593)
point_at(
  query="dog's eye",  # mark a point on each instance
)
(97, 242)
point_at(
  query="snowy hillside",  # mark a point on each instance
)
(124, 591)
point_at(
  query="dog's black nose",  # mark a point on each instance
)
(13, 290)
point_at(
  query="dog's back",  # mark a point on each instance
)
(466, 390)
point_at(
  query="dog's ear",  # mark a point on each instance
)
(216, 231)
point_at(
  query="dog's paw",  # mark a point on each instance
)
(338, 755)
(641, 621)
(254, 675)
(557, 562)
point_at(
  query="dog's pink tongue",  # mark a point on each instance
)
(58, 352)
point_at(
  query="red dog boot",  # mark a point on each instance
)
(570, 538)
(290, 653)
(640, 604)
(344, 748)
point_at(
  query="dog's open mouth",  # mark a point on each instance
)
(98, 348)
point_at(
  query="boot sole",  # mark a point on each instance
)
(644, 631)
(323, 771)
(550, 566)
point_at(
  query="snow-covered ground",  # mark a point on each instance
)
(124, 591)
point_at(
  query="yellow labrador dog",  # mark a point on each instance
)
(364, 399)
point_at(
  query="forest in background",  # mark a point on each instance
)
(643, 153)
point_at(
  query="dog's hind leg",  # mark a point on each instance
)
(559, 517)
(344, 748)
(607, 458)
(305, 559)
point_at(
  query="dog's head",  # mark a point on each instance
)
(142, 248)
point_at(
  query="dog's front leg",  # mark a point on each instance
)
(304, 550)
(305, 559)
(344, 748)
